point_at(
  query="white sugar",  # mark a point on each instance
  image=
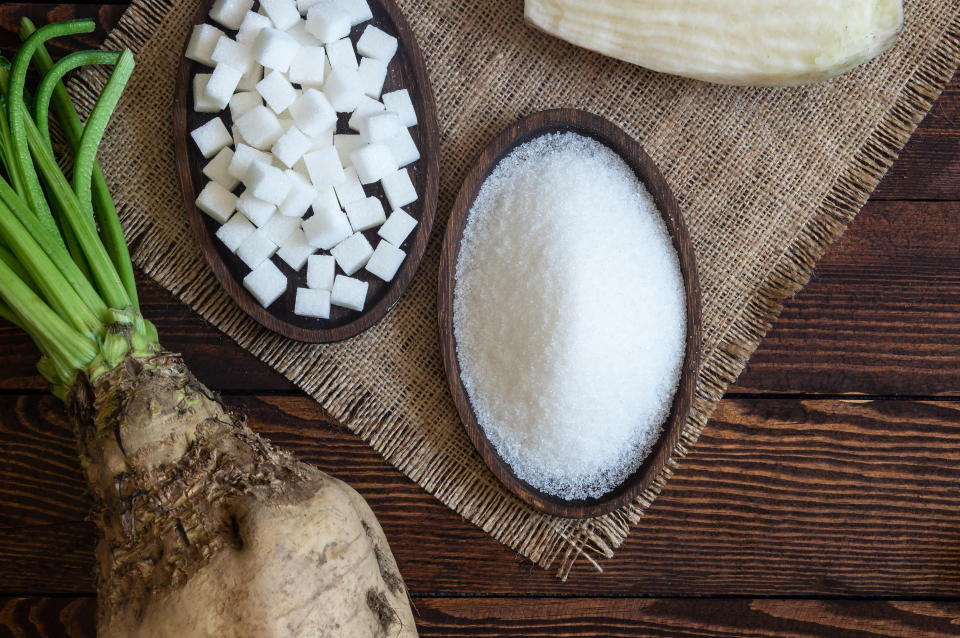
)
(569, 315)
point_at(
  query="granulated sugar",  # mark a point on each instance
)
(569, 315)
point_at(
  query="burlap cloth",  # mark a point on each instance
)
(765, 177)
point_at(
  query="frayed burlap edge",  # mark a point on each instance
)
(549, 542)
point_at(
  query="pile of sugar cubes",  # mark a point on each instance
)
(282, 181)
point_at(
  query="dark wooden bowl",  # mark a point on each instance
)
(406, 70)
(562, 120)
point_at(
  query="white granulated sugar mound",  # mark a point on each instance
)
(569, 315)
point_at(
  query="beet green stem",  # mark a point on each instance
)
(17, 114)
(51, 80)
(96, 125)
(50, 282)
(51, 333)
(56, 252)
(111, 231)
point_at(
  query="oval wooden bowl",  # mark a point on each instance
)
(604, 131)
(406, 70)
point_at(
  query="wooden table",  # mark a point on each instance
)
(822, 500)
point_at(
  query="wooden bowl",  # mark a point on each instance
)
(406, 70)
(572, 120)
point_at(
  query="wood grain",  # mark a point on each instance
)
(105, 15)
(929, 166)
(779, 497)
(406, 71)
(881, 316)
(607, 133)
(609, 618)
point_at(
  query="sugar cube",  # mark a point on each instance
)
(211, 137)
(256, 210)
(232, 53)
(232, 233)
(375, 43)
(285, 124)
(313, 113)
(283, 13)
(359, 10)
(306, 68)
(276, 91)
(252, 24)
(260, 127)
(346, 144)
(365, 213)
(348, 292)
(400, 103)
(350, 189)
(303, 37)
(243, 102)
(373, 73)
(222, 83)
(322, 139)
(397, 227)
(305, 5)
(399, 189)
(328, 23)
(385, 261)
(291, 146)
(343, 88)
(352, 253)
(341, 55)
(366, 107)
(266, 283)
(230, 13)
(403, 148)
(256, 249)
(380, 127)
(326, 228)
(202, 41)
(320, 271)
(372, 162)
(302, 194)
(268, 183)
(201, 103)
(248, 82)
(216, 169)
(217, 201)
(296, 250)
(274, 49)
(243, 156)
(324, 167)
(280, 227)
(235, 134)
(312, 303)
(326, 198)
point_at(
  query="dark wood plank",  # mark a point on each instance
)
(929, 165)
(609, 134)
(780, 497)
(558, 617)
(105, 14)
(881, 316)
